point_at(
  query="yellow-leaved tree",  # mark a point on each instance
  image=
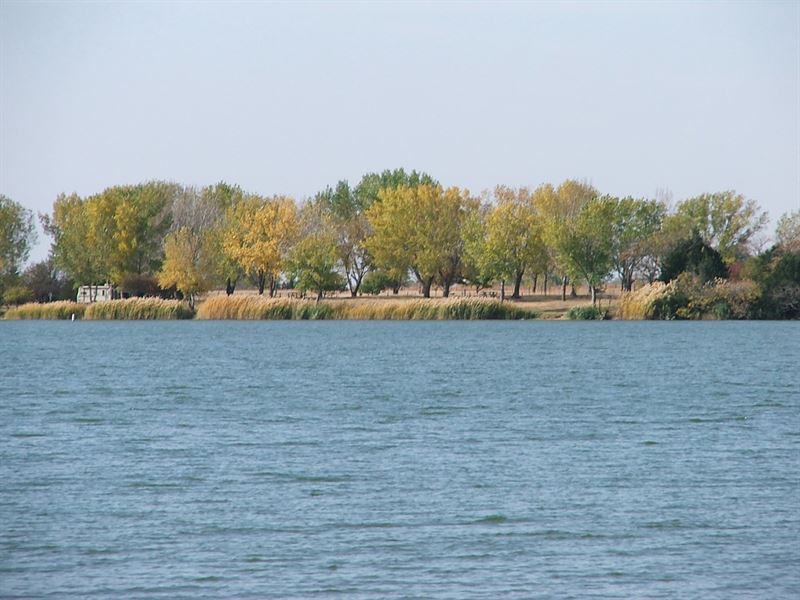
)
(559, 209)
(419, 229)
(188, 263)
(258, 236)
(514, 241)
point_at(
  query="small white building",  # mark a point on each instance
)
(96, 293)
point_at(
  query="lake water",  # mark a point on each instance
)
(388, 460)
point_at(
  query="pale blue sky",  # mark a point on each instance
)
(286, 98)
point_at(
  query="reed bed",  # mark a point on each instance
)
(254, 308)
(258, 307)
(467, 309)
(643, 303)
(135, 309)
(62, 310)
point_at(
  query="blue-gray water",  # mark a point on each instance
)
(382, 460)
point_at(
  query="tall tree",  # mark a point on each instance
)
(479, 267)
(787, 232)
(559, 209)
(141, 219)
(585, 244)
(727, 221)
(368, 190)
(635, 222)
(110, 235)
(258, 235)
(346, 216)
(71, 249)
(202, 213)
(17, 235)
(47, 283)
(514, 235)
(419, 229)
(313, 260)
(188, 263)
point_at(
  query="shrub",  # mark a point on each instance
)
(48, 283)
(139, 285)
(377, 281)
(585, 313)
(686, 297)
(692, 255)
(17, 294)
(780, 284)
(723, 299)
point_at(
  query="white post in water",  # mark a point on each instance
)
(72, 317)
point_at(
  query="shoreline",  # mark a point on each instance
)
(244, 306)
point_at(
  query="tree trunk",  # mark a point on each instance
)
(517, 283)
(230, 287)
(593, 291)
(564, 288)
(535, 281)
(446, 288)
(319, 295)
(426, 287)
(502, 290)
(573, 293)
(353, 283)
(273, 284)
(262, 280)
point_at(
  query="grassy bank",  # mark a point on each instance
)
(130, 309)
(258, 307)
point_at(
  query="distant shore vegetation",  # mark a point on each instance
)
(174, 244)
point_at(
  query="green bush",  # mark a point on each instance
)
(17, 294)
(585, 313)
(692, 255)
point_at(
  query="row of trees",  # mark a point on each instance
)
(375, 234)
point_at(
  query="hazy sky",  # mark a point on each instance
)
(636, 97)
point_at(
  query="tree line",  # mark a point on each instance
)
(159, 236)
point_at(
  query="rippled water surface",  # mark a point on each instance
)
(382, 459)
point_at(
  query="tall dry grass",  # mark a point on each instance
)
(641, 304)
(258, 307)
(439, 309)
(252, 308)
(63, 309)
(136, 309)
